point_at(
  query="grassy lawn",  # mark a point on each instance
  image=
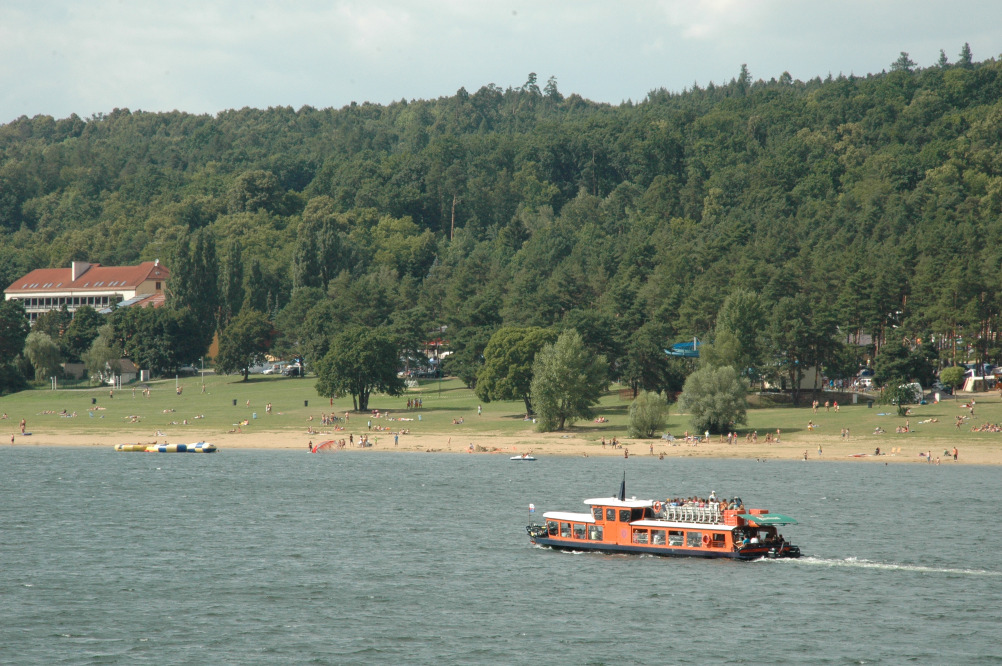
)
(228, 401)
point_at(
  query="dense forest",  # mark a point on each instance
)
(788, 222)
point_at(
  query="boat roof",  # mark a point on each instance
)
(568, 515)
(768, 518)
(717, 527)
(632, 503)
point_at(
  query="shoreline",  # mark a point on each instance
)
(894, 448)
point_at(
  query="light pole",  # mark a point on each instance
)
(202, 371)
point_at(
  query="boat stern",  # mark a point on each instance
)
(535, 531)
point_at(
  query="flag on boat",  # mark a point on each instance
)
(532, 508)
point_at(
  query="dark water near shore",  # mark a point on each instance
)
(361, 557)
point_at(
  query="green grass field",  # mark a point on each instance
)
(294, 401)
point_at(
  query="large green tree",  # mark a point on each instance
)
(43, 353)
(81, 332)
(360, 361)
(715, 399)
(244, 342)
(105, 352)
(567, 382)
(158, 339)
(508, 358)
(14, 328)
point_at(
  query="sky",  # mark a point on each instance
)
(92, 56)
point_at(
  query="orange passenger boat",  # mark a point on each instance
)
(621, 525)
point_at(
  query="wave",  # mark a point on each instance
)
(857, 563)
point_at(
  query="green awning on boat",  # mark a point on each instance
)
(768, 519)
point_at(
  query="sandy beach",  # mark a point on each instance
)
(894, 448)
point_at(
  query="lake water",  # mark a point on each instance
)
(269, 557)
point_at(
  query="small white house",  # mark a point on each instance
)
(126, 369)
(812, 378)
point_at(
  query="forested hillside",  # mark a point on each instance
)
(827, 209)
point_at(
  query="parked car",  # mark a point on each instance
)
(293, 371)
(940, 387)
(275, 369)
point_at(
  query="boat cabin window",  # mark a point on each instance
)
(640, 513)
(675, 537)
(718, 540)
(595, 533)
(658, 537)
(579, 531)
(565, 530)
(597, 512)
(640, 536)
(551, 527)
(693, 539)
(610, 514)
(624, 515)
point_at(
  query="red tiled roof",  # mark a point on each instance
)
(96, 278)
(153, 300)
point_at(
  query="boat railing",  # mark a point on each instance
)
(693, 514)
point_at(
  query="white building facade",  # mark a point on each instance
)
(83, 283)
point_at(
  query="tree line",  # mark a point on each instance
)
(785, 223)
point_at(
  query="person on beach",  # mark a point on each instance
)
(805, 454)
(22, 426)
(954, 454)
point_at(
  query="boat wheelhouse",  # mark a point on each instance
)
(620, 525)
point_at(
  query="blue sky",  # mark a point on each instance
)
(92, 56)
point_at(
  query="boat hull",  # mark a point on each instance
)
(749, 553)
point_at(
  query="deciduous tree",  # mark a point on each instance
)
(360, 361)
(508, 357)
(648, 414)
(244, 342)
(715, 399)
(567, 381)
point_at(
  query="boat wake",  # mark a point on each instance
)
(856, 563)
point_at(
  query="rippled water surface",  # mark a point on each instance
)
(364, 557)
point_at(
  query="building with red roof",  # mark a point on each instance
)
(83, 283)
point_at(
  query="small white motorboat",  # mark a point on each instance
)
(524, 456)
